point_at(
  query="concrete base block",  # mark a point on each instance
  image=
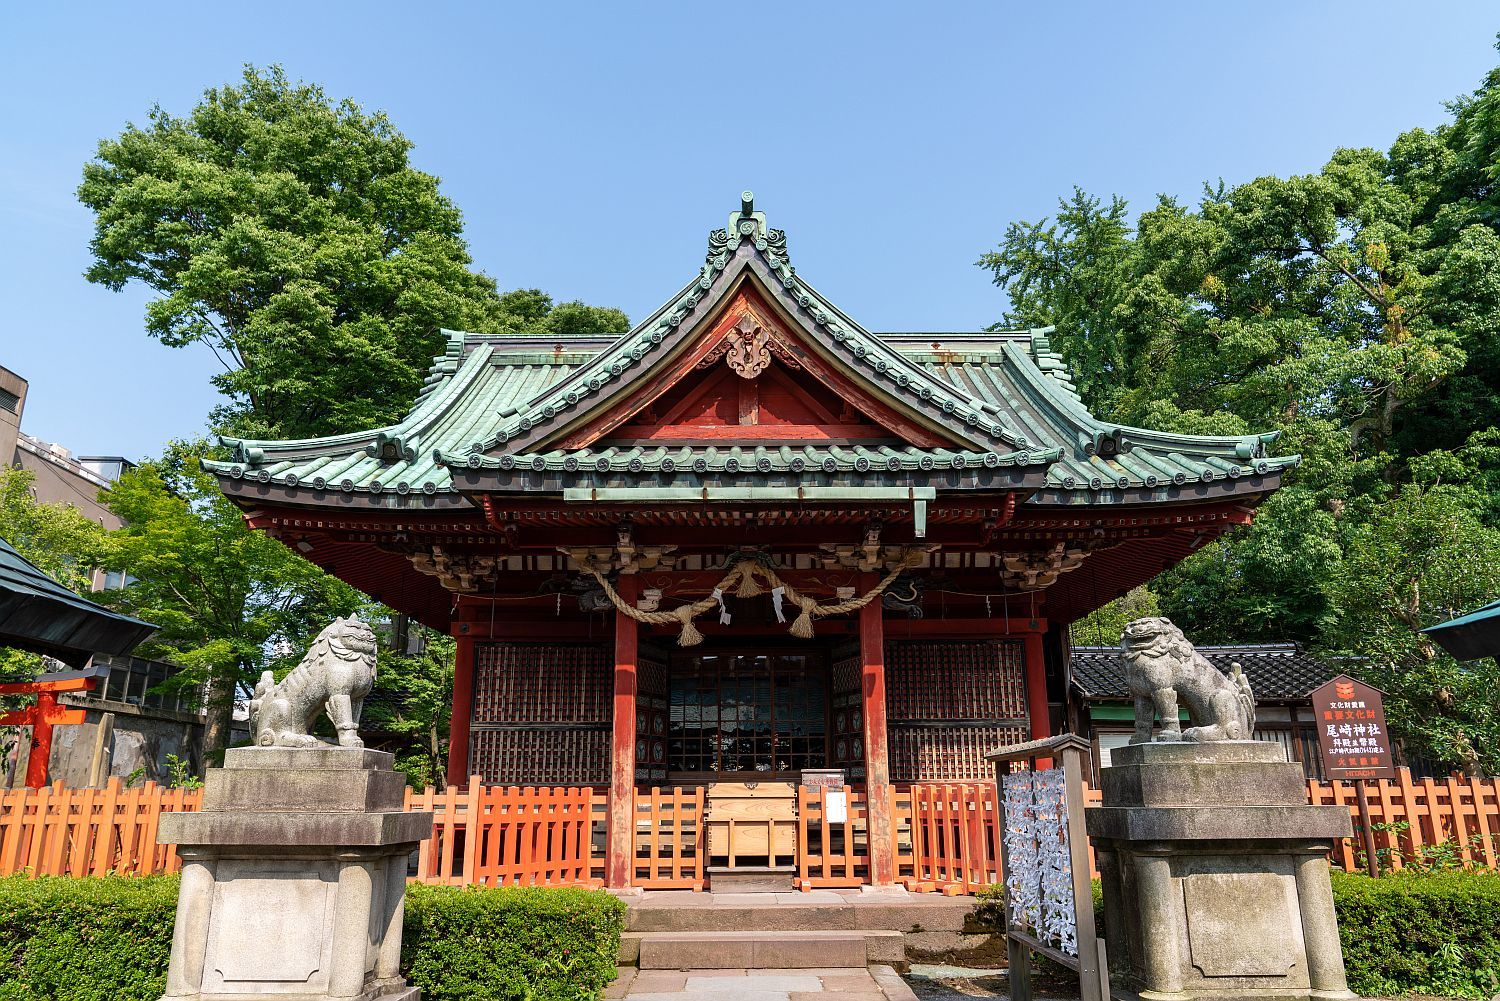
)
(1215, 875)
(293, 887)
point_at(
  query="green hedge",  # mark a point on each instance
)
(1405, 933)
(85, 939)
(511, 942)
(1422, 933)
(109, 939)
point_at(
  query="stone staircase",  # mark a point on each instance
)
(672, 930)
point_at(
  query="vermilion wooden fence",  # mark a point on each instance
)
(944, 835)
(88, 832)
(512, 836)
(669, 839)
(1416, 819)
(955, 837)
(832, 852)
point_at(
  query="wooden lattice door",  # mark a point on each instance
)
(949, 702)
(651, 709)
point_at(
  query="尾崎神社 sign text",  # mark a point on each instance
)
(1352, 734)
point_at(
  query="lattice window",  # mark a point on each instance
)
(848, 750)
(949, 702)
(936, 753)
(651, 709)
(541, 713)
(534, 756)
(541, 683)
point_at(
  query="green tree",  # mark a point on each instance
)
(408, 710)
(230, 601)
(1104, 626)
(1422, 559)
(62, 543)
(59, 539)
(1356, 310)
(291, 234)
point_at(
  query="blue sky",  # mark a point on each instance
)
(592, 146)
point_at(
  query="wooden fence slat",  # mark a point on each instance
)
(946, 835)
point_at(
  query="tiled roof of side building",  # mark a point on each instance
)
(1006, 395)
(1277, 671)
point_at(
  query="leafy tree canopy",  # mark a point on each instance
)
(230, 601)
(57, 538)
(1355, 310)
(291, 234)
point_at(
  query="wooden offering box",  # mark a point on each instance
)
(752, 819)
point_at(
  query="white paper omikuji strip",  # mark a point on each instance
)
(1040, 878)
(1049, 794)
(1022, 882)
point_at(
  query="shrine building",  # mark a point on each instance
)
(749, 539)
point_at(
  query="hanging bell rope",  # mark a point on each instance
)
(742, 576)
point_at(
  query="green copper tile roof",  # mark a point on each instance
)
(491, 404)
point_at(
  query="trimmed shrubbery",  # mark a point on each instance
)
(1405, 933)
(511, 942)
(1423, 933)
(104, 939)
(109, 939)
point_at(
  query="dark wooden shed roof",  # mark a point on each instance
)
(1277, 671)
(39, 614)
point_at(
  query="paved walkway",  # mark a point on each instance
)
(878, 983)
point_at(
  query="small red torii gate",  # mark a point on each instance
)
(46, 713)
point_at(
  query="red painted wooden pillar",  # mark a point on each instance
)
(43, 716)
(621, 863)
(877, 749)
(1036, 691)
(463, 711)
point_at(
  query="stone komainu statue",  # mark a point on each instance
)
(1162, 667)
(334, 677)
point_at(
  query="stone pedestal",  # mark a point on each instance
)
(293, 879)
(1215, 874)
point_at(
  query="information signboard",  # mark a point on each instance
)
(1352, 734)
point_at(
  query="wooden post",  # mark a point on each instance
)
(621, 860)
(877, 750)
(463, 711)
(1371, 865)
(1036, 691)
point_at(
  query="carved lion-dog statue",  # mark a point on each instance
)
(335, 676)
(1161, 668)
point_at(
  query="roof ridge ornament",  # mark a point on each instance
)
(747, 222)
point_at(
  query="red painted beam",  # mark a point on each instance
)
(1036, 691)
(621, 861)
(42, 717)
(463, 712)
(877, 748)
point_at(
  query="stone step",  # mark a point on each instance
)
(761, 950)
(752, 878)
(797, 912)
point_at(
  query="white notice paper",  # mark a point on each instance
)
(838, 807)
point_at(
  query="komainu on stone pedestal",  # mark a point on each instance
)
(294, 869)
(335, 676)
(1161, 668)
(1214, 866)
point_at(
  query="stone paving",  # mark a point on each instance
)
(877, 983)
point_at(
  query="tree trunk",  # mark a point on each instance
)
(218, 705)
(439, 766)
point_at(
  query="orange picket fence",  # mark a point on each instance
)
(1453, 819)
(88, 832)
(955, 837)
(670, 839)
(833, 847)
(944, 836)
(512, 835)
